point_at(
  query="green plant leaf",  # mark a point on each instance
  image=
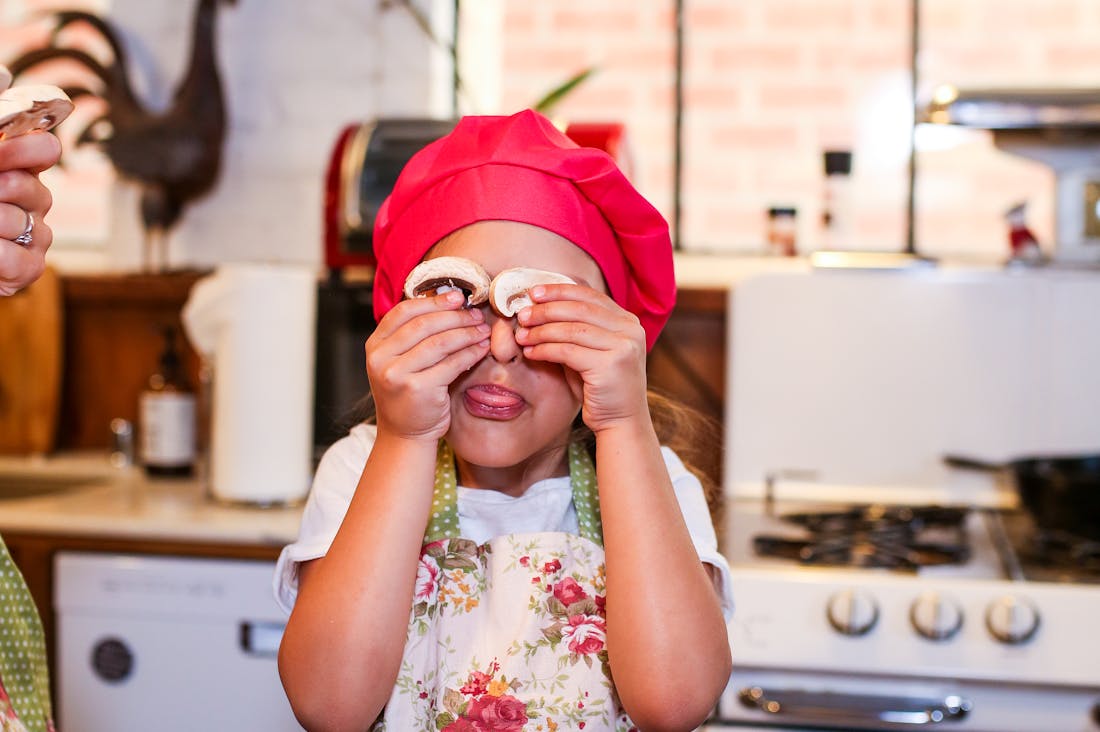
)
(556, 95)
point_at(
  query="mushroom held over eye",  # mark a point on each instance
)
(508, 293)
(442, 274)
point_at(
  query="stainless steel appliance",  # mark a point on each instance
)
(875, 586)
(1057, 127)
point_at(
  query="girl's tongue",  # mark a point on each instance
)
(493, 402)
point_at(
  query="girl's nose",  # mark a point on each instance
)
(502, 338)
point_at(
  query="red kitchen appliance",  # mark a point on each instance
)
(876, 586)
(364, 165)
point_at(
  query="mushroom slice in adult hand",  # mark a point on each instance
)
(509, 292)
(442, 274)
(32, 107)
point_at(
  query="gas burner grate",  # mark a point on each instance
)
(875, 536)
(1060, 551)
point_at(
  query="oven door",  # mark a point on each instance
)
(770, 699)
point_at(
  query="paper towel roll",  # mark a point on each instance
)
(256, 323)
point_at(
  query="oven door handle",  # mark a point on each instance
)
(834, 707)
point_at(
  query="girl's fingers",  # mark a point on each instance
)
(580, 328)
(404, 327)
(408, 310)
(620, 358)
(580, 293)
(603, 325)
(450, 367)
(575, 303)
(438, 348)
(581, 334)
(577, 358)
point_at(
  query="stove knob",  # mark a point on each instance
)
(1012, 620)
(936, 617)
(852, 612)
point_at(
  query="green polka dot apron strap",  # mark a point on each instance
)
(24, 673)
(443, 521)
(586, 497)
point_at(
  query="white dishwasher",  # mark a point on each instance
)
(167, 644)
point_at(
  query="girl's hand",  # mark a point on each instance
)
(587, 332)
(417, 350)
(21, 160)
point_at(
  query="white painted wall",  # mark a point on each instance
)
(295, 73)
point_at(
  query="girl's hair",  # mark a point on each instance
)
(695, 437)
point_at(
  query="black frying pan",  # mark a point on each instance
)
(1061, 492)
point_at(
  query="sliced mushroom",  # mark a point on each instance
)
(439, 275)
(5, 77)
(32, 107)
(509, 292)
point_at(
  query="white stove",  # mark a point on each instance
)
(863, 382)
(959, 646)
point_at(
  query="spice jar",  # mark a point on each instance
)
(782, 231)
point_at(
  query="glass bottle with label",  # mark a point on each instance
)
(782, 231)
(167, 416)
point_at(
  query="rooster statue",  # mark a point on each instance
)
(174, 155)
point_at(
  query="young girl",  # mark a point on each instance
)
(509, 547)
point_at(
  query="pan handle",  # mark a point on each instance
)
(969, 463)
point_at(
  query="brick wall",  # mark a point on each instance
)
(769, 86)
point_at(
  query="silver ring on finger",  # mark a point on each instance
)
(25, 238)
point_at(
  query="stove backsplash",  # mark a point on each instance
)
(853, 385)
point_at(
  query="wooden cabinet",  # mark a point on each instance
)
(688, 361)
(113, 341)
(688, 364)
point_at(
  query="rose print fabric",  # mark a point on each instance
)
(508, 635)
(24, 675)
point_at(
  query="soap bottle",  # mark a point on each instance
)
(167, 416)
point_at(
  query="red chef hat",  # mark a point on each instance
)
(521, 168)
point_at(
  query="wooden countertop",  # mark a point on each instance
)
(113, 503)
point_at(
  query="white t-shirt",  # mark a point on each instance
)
(482, 514)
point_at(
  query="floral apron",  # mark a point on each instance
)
(24, 675)
(509, 635)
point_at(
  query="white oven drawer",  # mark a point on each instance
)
(167, 644)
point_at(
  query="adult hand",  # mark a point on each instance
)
(417, 350)
(586, 331)
(21, 193)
